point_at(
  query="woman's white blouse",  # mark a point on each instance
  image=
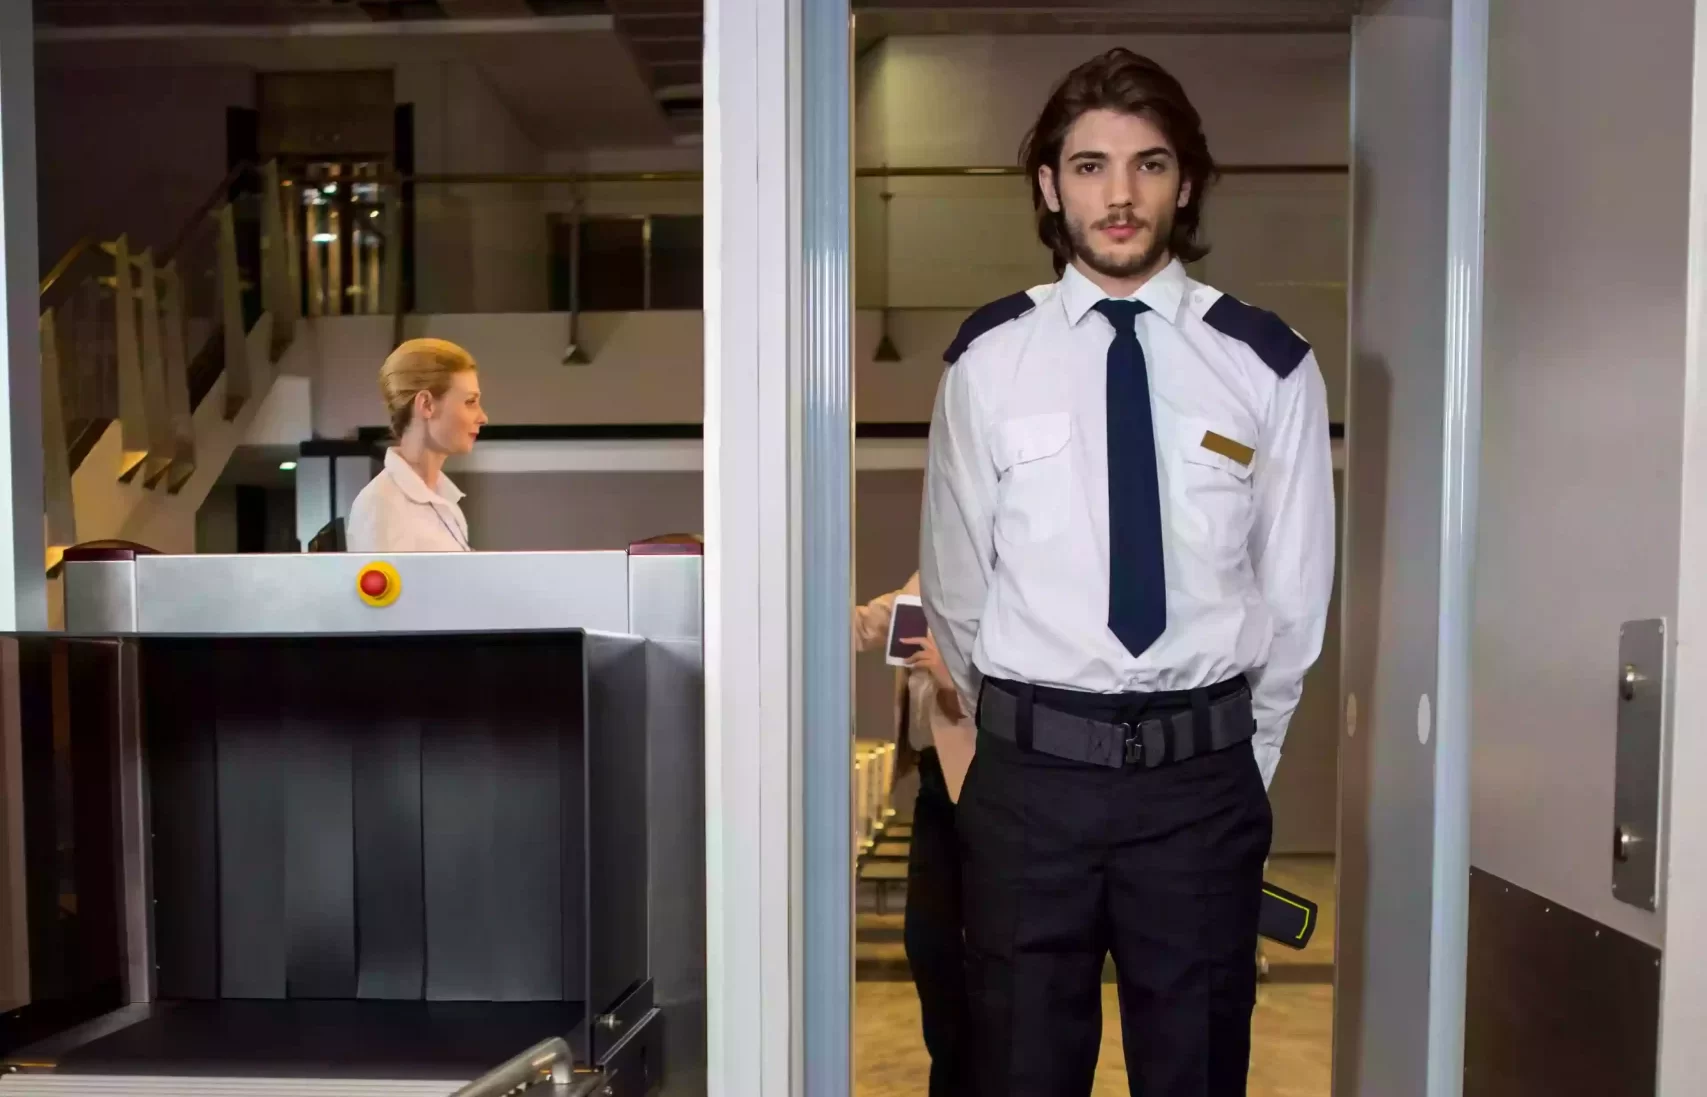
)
(398, 512)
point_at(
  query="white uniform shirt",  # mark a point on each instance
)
(1014, 554)
(398, 512)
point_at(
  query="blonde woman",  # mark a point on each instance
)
(432, 395)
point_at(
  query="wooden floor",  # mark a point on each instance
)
(1291, 1034)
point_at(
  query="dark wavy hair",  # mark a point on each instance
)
(1123, 81)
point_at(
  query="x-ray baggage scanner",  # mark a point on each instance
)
(323, 818)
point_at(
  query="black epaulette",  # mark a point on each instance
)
(1280, 348)
(988, 319)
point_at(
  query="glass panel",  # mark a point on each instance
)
(678, 270)
(341, 207)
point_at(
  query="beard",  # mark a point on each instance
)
(1115, 266)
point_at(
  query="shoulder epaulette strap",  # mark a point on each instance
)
(1280, 348)
(988, 319)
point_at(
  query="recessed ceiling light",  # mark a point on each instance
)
(287, 466)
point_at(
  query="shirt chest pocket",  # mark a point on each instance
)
(1035, 464)
(1214, 463)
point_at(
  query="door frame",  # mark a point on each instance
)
(1683, 976)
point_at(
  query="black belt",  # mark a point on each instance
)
(1146, 730)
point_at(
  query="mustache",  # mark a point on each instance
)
(1121, 220)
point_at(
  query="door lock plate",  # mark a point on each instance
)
(1641, 732)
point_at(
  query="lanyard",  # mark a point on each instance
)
(450, 528)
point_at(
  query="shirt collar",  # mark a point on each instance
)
(416, 489)
(1164, 293)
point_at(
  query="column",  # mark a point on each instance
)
(23, 602)
(23, 596)
(778, 440)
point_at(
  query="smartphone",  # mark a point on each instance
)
(907, 621)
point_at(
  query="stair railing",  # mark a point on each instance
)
(140, 340)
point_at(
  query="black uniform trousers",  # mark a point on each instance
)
(932, 932)
(1066, 863)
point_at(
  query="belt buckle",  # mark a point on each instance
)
(1134, 743)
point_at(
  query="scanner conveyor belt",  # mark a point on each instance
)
(324, 1039)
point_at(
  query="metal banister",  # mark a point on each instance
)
(548, 1062)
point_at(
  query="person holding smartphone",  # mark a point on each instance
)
(935, 732)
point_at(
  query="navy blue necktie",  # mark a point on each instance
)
(1137, 582)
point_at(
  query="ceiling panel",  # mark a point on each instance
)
(98, 13)
(664, 37)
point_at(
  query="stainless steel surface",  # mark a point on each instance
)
(631, 1068)
(666, 597)
(119, 1085)
(24, 604)
(625, 1018)
(307, 593)
(1637, 771)
(618, 830)
(529, 1068)
(647, 913)
(100, 596)
(675, 762)
(136, 882)
(1401, 88)
(1558, 303)
(1461, 427)
(826, 388)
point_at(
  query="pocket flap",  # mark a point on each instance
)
(1032, 437)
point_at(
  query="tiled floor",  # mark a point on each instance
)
(1291, 1034)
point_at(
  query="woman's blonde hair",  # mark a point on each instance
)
(417, 366)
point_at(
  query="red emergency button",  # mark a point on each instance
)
(378, 584)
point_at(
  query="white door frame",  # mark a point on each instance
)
(778, 496)
(23, 601)
(1683, 996)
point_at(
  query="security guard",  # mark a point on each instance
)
(1127, 555)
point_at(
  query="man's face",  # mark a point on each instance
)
(1118, 187)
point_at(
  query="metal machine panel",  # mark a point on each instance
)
(311, 593)
(1401, 89)
(666, 596)
(100, 596)
(1637, 778)
(352, 820)
(615, 826)
(675, 763)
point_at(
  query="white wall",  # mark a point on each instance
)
(1582, 439)
(955, 243)
(478, 247)
(646, 367)
(968, 100)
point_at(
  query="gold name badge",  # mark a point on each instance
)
(1226, 447)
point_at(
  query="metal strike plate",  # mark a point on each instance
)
(1636, 776)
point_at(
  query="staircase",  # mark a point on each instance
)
(154, 364)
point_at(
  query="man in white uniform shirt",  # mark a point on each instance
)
(1126, 561)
